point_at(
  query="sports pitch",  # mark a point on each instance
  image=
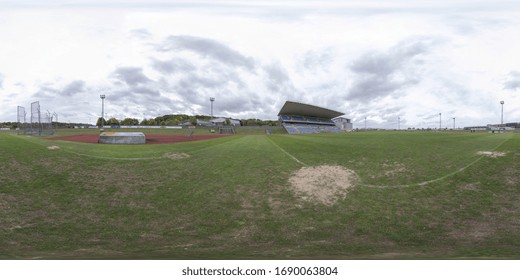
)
(365, 195)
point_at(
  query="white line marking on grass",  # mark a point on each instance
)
(148, 158)
(436, 179)
(287, 153)
(112, 158)
(66, 149)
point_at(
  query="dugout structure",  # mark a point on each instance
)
(300, 118)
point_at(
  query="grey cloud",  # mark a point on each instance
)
(134, 88)
(277, 79)
(141, 33)
(313, 60)
(228, 103)
(136, 94)
(233, 97)
(429, 116)
(514, 81)
(190, 95)
(173, 66)
(74, 87)
(276, 74)
(379, 74)
(132, 76)
(468, 24)
(141, 90)
(278, 83)
(142, 96)
(203, 80)
(206, 48)
(221, 72)
(378, 116)
(46, 91)
(194, 81)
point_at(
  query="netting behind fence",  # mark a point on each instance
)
(40, 124)
(21, 114)
(20, 119)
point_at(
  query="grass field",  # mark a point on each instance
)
(417, 195)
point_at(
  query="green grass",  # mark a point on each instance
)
(420, 195)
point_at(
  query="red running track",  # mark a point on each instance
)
(150, 138)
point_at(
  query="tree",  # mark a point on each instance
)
(171, 122)
(113, 121)
(193, 120)
(129, 121)
(101, 121)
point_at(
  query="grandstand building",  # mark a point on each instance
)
(298, 118)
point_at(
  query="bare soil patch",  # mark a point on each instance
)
(323, 184)
(491, 154)
(53, 148)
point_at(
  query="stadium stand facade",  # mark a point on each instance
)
(299, 118)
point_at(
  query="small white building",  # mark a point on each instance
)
(343, 123)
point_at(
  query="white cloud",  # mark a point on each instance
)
(375, 59)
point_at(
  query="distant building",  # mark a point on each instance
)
(493, 127)
(475, 128)
(218, 122)
(222, 121)
(204, 123)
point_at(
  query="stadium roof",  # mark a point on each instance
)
(300, 109)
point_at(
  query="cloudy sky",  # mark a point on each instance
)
(379, 60)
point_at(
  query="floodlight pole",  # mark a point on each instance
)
(453, 123)
(102, 109)
(440, 121)
(211, 99)
(365, 123)
(398, 123)
(502, 115)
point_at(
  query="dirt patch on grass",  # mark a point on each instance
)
(53, 148)
(475, 230)
(324, 184)
(13, 171)
(175, 156)
(491, 154)
(394, 169)
(470, 187)
(512, 177)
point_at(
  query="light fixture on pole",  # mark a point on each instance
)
(211, 99)
(102, 109)
(502, 115)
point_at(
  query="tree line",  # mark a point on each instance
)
(166, 120)
(179, 119)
